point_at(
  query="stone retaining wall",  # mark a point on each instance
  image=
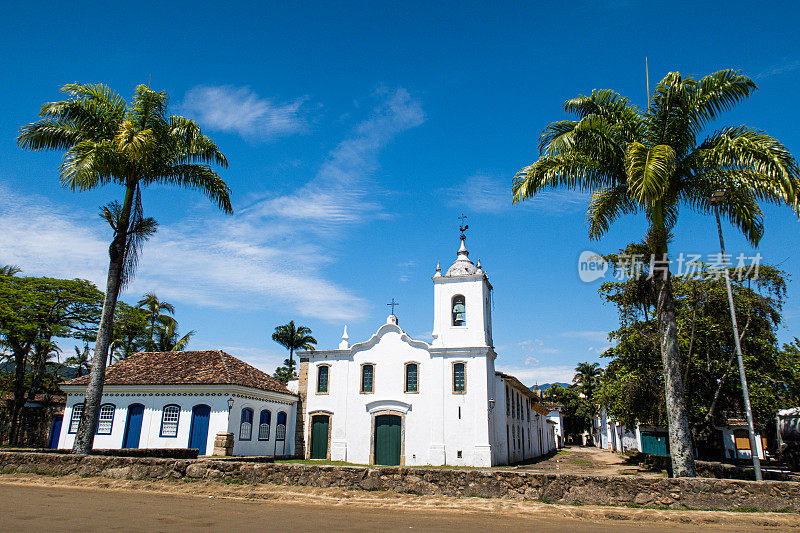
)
(697, 493)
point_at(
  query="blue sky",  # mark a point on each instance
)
(357, 132)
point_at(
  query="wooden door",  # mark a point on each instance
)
(133, 426)
(387, 440)
(319, 436)
(198, 433)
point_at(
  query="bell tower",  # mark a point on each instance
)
(462, 302)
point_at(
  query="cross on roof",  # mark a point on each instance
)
(393, 304)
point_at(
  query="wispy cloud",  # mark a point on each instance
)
(483, 193)
(787, 65)
(270, 254)
(591, 335)
(343, 190)
(240, 110)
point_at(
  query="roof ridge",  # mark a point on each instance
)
(225, 364)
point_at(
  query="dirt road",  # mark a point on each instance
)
(38, 503)
(587, 460)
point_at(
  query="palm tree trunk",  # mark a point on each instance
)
(84, 440)
(20, 361)
(680, 436)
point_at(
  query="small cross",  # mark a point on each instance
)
(463, 227)
(392, 304)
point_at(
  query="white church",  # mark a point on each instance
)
(395, 400)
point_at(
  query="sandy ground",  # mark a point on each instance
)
(71, 503)
(587, 460)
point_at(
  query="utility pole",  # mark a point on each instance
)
(716, 200)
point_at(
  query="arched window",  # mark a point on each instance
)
(459, 378)
(367, 378)
(459, 310)
(412, 377)
(246, 425)
(264, 420)
(280, 429)
(75, 418)
(105, 419)
(322, 379)
(169, 420)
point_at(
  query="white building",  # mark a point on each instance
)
(610, 434)
(555, 416)
(393, 399)
(182, 400)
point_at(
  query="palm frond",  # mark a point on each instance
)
(719, 92)
(570, 171)
(198, 177)
(649, 171)
(606, 206)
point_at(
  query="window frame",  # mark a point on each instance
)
(327, 368)
(242, 422)
(416, 378)
(453, 375)
(453, 314)
(72, 418)
(110, 421)
(361, 388)
(261, 423)
(278, 426)
(177, 421)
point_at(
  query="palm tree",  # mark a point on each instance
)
(79, 361)
(9, 270)
(587, 375)
(157, 315)
(293, 338)
(651, 162)
(168, 340)
(106, 141)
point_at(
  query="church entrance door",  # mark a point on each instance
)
(387, 440)
(319, 436)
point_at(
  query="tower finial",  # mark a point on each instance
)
(463, 227)
(345, 344)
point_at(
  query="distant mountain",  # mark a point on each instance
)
(548, 385)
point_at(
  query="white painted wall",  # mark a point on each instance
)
(731, 452)
(155, 398)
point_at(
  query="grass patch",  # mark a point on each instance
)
(582, 462)
(563, 452)
(233, 481)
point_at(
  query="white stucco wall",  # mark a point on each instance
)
(437, 423)
(155, 398)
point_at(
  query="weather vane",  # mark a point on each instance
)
(463, 227)
(393, 304)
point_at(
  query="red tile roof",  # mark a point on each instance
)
(207, 367)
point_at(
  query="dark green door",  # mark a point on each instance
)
(387, 440)
(655, 443)
(319, 436)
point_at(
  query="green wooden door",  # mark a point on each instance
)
(655, 443)
(387, 440)
(319, 436)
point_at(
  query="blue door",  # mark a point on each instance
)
(133, 426)
(198, 434)
(55, 432)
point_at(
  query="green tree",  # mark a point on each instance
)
(107, 141)
(587, 378)
(131, 332)
(632, 387)
(651, 162)
(169, 340)
(34, 312)
(81, 361)
(576, 411)
(158, 316)
(292, 338)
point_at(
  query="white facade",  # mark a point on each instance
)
(610, 434)
(554, 415)
(396, 400)
(156, 432)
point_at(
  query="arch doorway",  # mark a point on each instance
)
(388, 440)
(320, 430)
